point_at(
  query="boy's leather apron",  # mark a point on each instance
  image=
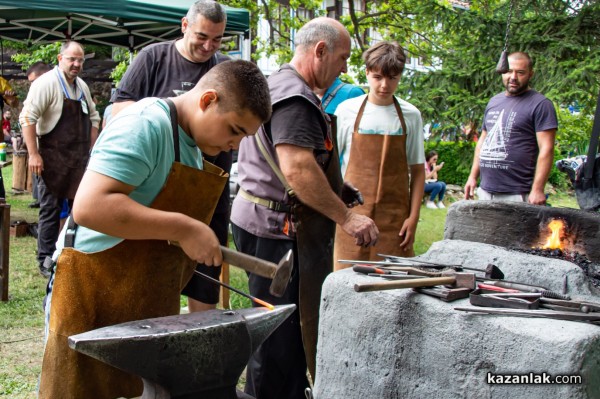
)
(65, 150)
(378, 168)
(136, 279)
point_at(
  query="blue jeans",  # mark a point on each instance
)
(435, 189)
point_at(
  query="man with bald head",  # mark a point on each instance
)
(60, 125)
(289, 198)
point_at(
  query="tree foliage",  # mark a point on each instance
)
(462, 47)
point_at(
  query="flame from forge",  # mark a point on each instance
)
(556, 226)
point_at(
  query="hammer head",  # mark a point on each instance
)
(282, 275)
(493, 272)
(462, 279)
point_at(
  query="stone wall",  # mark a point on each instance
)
(401, 344)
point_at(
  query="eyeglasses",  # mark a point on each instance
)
(74, 59)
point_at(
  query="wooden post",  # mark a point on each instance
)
(4, 249)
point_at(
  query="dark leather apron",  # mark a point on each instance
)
(134, 280)
(315, 238)
(378, 167)
(65, 150)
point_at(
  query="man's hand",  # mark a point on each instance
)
(537, 197)
(36, 164)
(470, 188)
(351, 196)
(362, 228)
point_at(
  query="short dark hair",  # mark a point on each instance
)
(521, 55)
(209, 9)
(241, 86)
(385, 57)
(39, 68)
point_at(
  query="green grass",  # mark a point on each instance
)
(22, 320)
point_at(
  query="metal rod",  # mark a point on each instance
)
(252, 298)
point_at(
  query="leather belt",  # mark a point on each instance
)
(272, 205)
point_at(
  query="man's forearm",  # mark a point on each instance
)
(30, 136)
(304, 175)
(545, 158)
(542, 171)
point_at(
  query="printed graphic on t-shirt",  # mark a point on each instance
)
(185, 87)
(378, 130)
(494, 150)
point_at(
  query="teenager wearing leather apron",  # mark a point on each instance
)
(381, 139)
(145, 170)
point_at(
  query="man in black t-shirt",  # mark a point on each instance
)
(173, 68)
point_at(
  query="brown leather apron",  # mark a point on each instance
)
(134, 280)
(378, 167)
(315, 238)
(65, 150)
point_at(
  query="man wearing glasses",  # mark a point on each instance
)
(170, 69)
(60, 125)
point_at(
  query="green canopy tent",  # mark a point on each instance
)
(132, 24)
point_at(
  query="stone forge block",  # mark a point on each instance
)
(401, 344)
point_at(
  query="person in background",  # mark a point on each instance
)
(59, 114)
(165, 69)
(436, 189)
(8, 96)
(298, 210)
(6, 126)
(36, 70)
(337, 93)
(515, 151)
(114, 262)
(381, 139)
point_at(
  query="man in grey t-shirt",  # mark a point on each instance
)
(514, 154)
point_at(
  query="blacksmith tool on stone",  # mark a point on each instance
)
(399, 269)
(394, 262)
(280, 273)
(527, 288)
(445, 294)
(496, 300)
(569, 306)
(196, 355)
(549, 314)
(452, 278)
(387, 274)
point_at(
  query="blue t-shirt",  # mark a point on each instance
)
(332, 98)
(136, 149)
(509, 151)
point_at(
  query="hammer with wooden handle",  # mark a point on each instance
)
(455, 279)
(280, 273)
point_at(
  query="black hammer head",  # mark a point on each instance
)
(184, 354)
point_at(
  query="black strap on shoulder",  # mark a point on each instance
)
(591, 157)
(332, 94)
(70, 233)
(174, 125)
